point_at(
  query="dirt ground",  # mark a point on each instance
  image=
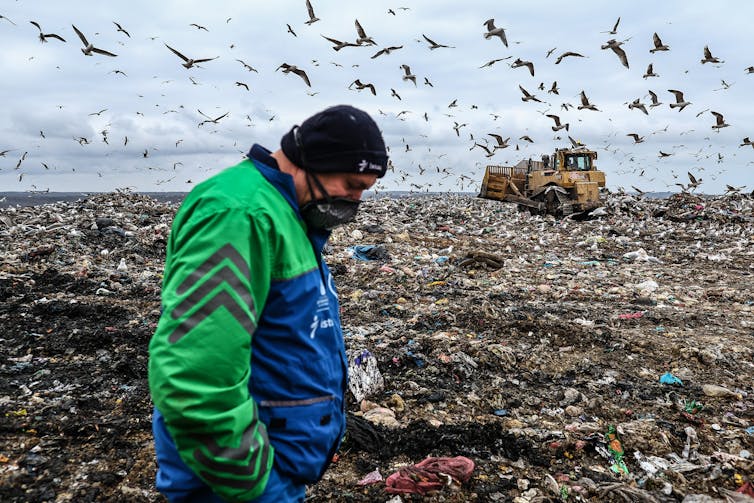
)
(513, 340)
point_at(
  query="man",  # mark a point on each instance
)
(247, 366)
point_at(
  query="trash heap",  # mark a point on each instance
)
(493, 355)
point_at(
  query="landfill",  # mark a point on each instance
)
(494, 355)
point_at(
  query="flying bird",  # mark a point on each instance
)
(394, 94)
(500, 142)
(7, 19)
(294, 69)
(719, 121)
(554, 88)
(290, 30)
(519, 63)
(359, 85)
(653, 97)
(528, 96)
(566, 54)
(585, 103)
(338, 45)
(241, 84)
(363, 37)
(558, 126)
(492, 31)
(615, 46)
(44, 36)
(659, 46)
(746, 141)
(614, 31)
(638, 104)
(492, 62)
(709, 58)
(120, 29)
(650, 72)
(209, 119)
(680, 103)
(247, 66)
(188, 61)
(636, 137)
(88, 48)
(434, 45)
(409, 75)
(749, 69)
(198, 27)
(310, 10)
(387, 50)
(457, 127)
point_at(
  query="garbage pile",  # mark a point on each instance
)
(493, 355)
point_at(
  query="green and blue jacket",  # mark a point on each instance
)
(247, 365)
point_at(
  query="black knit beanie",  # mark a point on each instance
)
(340, 139)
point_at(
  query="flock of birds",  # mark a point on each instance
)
(490, 143)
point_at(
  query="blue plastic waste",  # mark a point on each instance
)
(668, 378)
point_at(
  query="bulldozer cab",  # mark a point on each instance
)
(568, 160)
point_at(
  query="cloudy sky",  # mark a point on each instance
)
(72, 122)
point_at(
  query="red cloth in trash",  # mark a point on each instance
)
(428, 475)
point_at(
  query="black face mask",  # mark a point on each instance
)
(328, 212)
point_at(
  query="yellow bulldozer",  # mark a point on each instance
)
(565, 184)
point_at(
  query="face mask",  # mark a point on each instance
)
(329, 213)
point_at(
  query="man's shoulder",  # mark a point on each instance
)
(241, 187)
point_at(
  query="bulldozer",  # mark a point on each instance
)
(566, 184)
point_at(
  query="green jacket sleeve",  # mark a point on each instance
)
(217, 277)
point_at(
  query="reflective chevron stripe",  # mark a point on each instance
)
(224, 275)
(249, 442)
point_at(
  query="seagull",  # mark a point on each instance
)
(566, 54)
(526, 138)
(489, 153)
(659, 46)
(363, 38)
(554, 88)
(495, 32)
(457, 127)
(614, 45)
(720, 121)
(585, 103)
(209, 119)
(490, 63)
(650, 72)
(310, 9)
(500, 142)
(294, 69)
(434, 45)
(393, 93)
(290, 30)
(7, 19)
(88, 48)
(746, 141)
(636, 137)
(387, 50)
(428, 83)
(43, 36)
(453, 103)
(749, 70)
(680, 103)
(408, 75)
(558, 126)
(359, 85)
(120, 29)
(575, 143)
(708, 58)
(528, 96)
(198, 27)
(653, 97)
(519, 63)
(637, 104)
(247, 66)
(188, 61)
(241, 84)
(338, 45)
(614, 31)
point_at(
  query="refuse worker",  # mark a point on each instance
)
(247, 366)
